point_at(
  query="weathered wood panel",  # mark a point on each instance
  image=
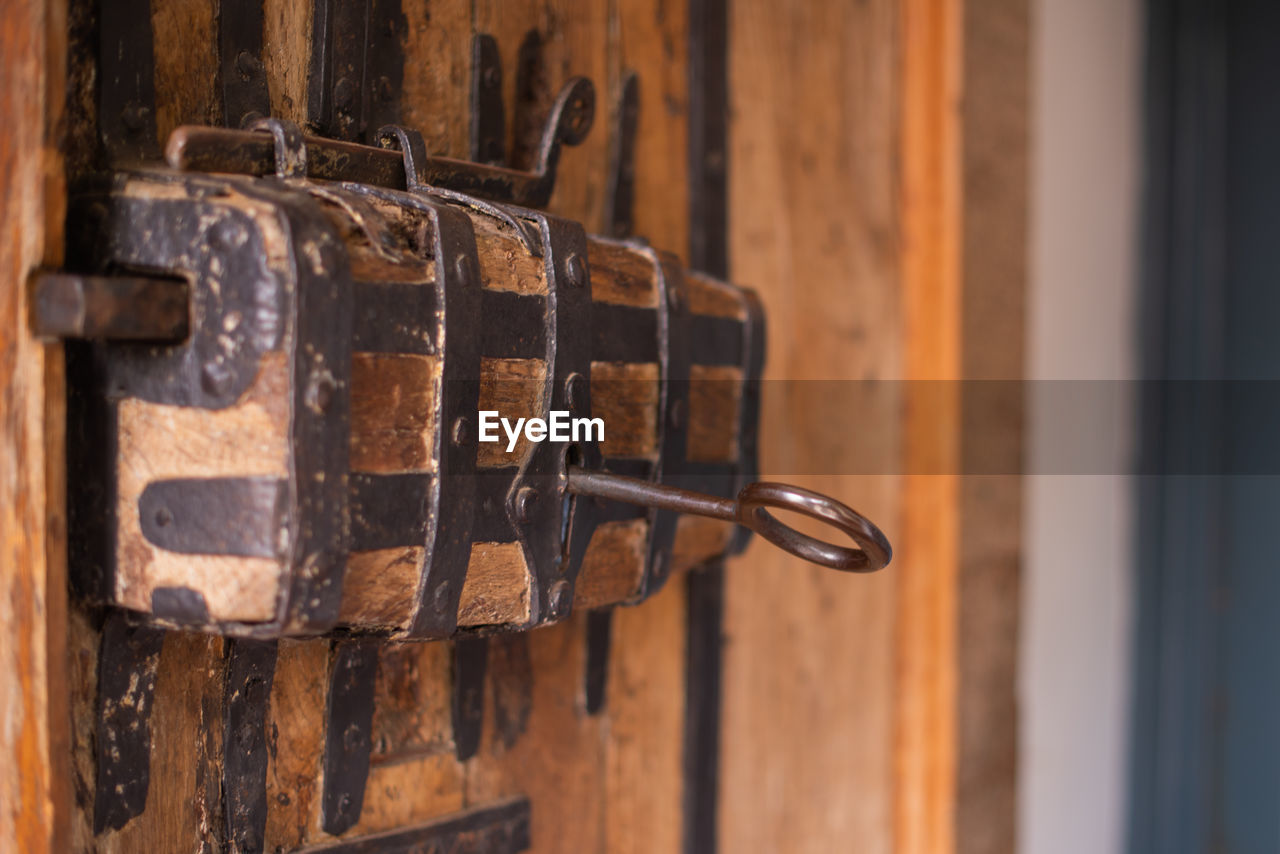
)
(997, 108)
(814, 224)
(35, 792)
(924, 817)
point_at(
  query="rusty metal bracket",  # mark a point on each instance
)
(554, 529)
(488, 123)
(245, 96)
(357, 66)
(251, 667)
(193, 148)
(241, 304)
(111, 308)
(599, 642)
(128, 660)
(348, 732)
(470, 663)
(621, 191)
(673, 412)
(458, 290)
(126, 81)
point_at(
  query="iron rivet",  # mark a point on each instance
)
(248, 64)
(575, 391)
(525, 499)
(461, 431)
(575, 270)
(134, 116)
(343, 94)
(491, 77)
(163, 517)
(660, 564)
(385, 90)
(226, 235)
(320, 391)
(464, 270)
(673, 298)
(675, 416)
(559, 598)
(441, 598)
(215, 379)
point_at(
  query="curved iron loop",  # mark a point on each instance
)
(399, 161)
(749, 509)
(411, 146)
(290, 146)
(570, 119)
(873, 552)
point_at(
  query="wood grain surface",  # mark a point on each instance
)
(814, 227)
(35, 783)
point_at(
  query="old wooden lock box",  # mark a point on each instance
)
(294, 444)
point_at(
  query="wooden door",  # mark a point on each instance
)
(860, 164)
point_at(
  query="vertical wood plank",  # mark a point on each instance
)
(556, 758)
(995, 240)
(34, 716)
(808, 682)
(186, 49)
(925, 733)
(286, 54)
(436, 99)
(183, 811)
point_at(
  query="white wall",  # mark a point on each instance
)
(1077, 604)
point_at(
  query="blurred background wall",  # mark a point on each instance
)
(1078, 528)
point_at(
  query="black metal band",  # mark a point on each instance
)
(128, 661)
(251, 667)
(536, 504)
(470, 663)
(348, 732)
(448, 528)
(244, 76)
(673, 412)
(357, 66)
(708, 250)
(126, 81)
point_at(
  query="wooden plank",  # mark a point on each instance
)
(286, 55)
(625, 395)
(620, 275)
(925, 746)
(437, 79)
(164, 441)
(35, 793)
(186, 745)
(997, 51)
(807, 757)
(393, 399)
(186, 87)
(715, 399)
(497, 588)
(613, 566)
(295, 719)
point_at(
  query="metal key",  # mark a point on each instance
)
(749, 510)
